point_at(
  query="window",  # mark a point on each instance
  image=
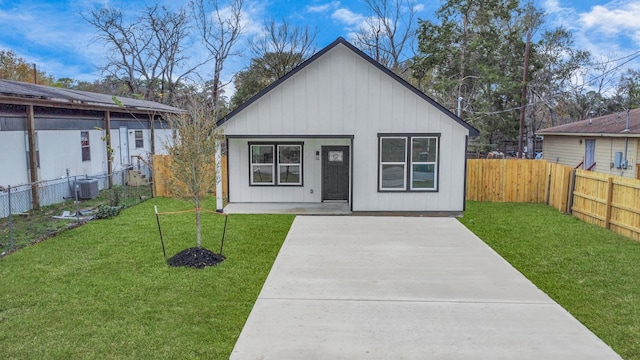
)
(276, 164)
(289, 164)
(408, 162)
(86, 148)
(262, 165)
(139, 139)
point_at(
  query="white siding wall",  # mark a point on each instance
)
(13, 158)
(570, 151)
(310, 191)
(342, 94)
(61, 150)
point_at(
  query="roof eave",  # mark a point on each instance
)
(583, 134)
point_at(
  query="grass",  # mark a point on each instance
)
(592, 272)
(103, 290)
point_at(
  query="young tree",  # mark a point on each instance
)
(192, 152)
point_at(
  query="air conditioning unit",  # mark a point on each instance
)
(87, 189)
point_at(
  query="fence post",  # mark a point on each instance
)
(76, 188)
(607, 214)
(572, 188)
(10, 222)
(549, 183)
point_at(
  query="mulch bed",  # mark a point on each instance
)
(196, 258)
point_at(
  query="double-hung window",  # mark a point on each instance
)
(276, 164)
(408, 162)
(139, 139)
(85, 146)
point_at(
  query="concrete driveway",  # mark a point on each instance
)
(403, 288)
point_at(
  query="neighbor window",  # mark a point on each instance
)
(408, 162)
(139, 139)
(84, 143)
(276, 164)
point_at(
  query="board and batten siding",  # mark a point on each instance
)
(310, 191)
(342, 94)
(570, 151)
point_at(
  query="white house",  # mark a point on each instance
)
(64, 132)
(342, 127)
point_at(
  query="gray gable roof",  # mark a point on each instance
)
(59, 97)
(613, 125)
(472, 131)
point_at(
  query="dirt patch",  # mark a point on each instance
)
(195, 258)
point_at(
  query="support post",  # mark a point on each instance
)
(107, 125)
(218, 164)
(33, 158)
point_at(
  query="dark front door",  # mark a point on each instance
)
(335, 173)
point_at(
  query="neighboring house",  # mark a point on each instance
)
(341, 127)
(606, 144)
(63, 132)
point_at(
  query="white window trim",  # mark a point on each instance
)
(404, 164)
(434, 163)
(298, 165)
(408, 163)
(272, 164)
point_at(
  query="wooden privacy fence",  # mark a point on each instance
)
(162, 175)
(612, 202)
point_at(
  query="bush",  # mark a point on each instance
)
(107, 211)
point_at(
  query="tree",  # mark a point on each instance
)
(473, 57)
(192, 152)
(220, 30)
(13, 67)
(145, 53)
(558, 63)
(388, 32)
(279, 50)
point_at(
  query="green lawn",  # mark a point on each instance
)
(104, 290)
(590, 271)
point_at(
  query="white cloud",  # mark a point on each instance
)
(418, 7)
(552, 6)
(611, 21)
(348, 17)
(323, 8)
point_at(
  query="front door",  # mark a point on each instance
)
(124, 147)
(335, 173)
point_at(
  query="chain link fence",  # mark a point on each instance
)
(64, 203)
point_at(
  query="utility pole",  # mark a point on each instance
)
(523, 106)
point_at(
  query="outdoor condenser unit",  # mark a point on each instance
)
(87, 189)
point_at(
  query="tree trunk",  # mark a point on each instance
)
(198, 233)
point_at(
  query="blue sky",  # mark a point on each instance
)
(53, 34)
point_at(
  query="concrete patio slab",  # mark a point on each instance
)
(403, 288)
(325, 208)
